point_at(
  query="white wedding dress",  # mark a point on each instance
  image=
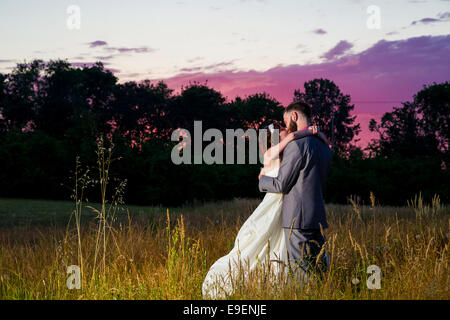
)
(259, 234)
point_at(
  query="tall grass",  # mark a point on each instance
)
(151, 253)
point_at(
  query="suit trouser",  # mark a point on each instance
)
(303, 247)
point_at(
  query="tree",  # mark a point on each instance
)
(73, 95)
(330, 111)
(197, 102)
(433, 106)
(2, 102)
(417, 129)
(254, 111)
(139, 110)
(22, 95)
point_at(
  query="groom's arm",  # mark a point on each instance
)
(287, 174)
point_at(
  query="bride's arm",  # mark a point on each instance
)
(315, 130)
(274, 152)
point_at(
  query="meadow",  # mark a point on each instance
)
(165, 253)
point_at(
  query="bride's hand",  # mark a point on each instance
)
(291, 136)
(262, 173)
(314, 129)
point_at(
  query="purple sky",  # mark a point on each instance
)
(377, 78)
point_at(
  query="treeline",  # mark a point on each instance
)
(51, 113)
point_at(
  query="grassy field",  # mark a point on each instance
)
(138, 256)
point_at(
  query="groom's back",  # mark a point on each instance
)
(303, 206)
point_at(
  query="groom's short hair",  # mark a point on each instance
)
(300, 107)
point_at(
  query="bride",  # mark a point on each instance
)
(261, 236)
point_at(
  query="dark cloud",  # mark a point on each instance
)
(425, 21)
(98, 43)
(444, 15)
(6, 61)
(193, 69)
(82, 64)
(220, 64)
(319, 31)
(338, 50)
(391, 33)
(92, 64)
(86, 64)
(131, 75)
(128, 50)
(101, 58)
(441, 17)
(208, 67)
(104, 46)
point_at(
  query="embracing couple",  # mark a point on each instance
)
(285, 230)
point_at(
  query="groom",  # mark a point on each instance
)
(301, 179)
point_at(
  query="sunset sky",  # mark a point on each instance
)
(244, 46)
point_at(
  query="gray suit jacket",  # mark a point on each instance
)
(301, 178)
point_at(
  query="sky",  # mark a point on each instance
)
(379, 52)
